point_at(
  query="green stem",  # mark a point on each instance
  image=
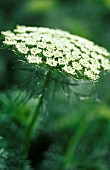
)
(27, 140)
(69, 154)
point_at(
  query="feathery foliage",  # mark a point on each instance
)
(57, 57)
(12, 131)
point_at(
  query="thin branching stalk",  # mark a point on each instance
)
(27, 140)
(74, 141)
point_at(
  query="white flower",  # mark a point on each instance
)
(10, 41)
(8, 34)
(23, 29)
(69, 57)
(69, 69)
(69, 53)
(41, 45)
(46, 38)
(91, 75)
(95, 63)
(62, 61)
(35, 50)
(96, 71)
(47, 53)
(51, 62)
(76, 56)
(101, 50)
(22, 48)
(50, 47)
(34, 59)
(77, 66)
(105, 64)
(30, 41)
(85, 56)
(66, 50)
(57, 54)
(85, 63)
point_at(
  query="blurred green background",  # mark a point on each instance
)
(86, 18)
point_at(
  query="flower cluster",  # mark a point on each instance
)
(58, 49)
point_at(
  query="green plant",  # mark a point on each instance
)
(56, 55)
(59, 50)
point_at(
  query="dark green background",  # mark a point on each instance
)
(86, 18)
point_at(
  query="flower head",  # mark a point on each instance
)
(58, 49)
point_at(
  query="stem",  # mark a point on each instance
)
(27, 140)
(69, 154)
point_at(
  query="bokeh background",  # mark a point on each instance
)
(86, 18)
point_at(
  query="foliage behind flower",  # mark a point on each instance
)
(60, 50)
